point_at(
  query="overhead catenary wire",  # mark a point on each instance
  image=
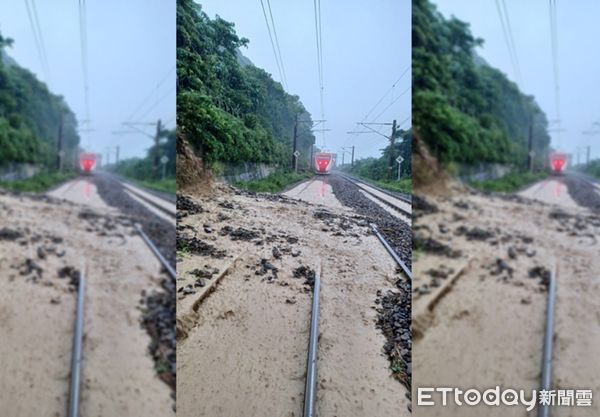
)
(319, 41)
(509, 39)
(157, 102)
(279, 64)
(84, 56)
(554, 45)
(386, 93)
(152, 92)
(277, 44)
(392, 103)
(38, 37)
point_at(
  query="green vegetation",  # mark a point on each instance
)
(463, 109)
(376, 171)
(275, 182)
(168, 185)
(509, 183)
(30, 116)
(593, 168)
(402, 186)
(145, 171)
(227, 109)
(39, 182)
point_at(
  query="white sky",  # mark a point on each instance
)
(366, 47)
(131, 48)
(578, 59)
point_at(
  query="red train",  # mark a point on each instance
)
(323, 162)
(87, 162)
(558, 162)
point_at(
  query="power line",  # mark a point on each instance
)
(84, 56)
(392, 103)
(146, 100)
(508, 39)
(157, 102)
(554, 43)
(512, 40)
(386, 93)
(277, 44)
(38, 38)
(41, 37)
(279, 65)
(319, 40)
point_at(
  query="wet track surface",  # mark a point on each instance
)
(45, 242)
(480, 288)
(571, 190)
(159, 317)
(396, 231)
(244, 297)
(394, 316)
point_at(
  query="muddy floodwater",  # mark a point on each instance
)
(244, 299)
(480, 291)
(44, 243)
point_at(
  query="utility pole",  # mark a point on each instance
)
(352, 156)
(530, 147)
(294, 157)
(392, 145)
(59, 144)
(156, 147)
(343, 155)
(117, 161)
(587, 159)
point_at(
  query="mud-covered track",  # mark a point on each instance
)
(400, 206)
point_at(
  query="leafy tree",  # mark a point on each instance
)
(465, 110)
(143, 168)
(229, 110)
(377, 168)
(30, 116)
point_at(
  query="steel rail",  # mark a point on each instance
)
(544, 409)
(157, 206)
(77, 347)
(399, 196)
(310, 392)
(384, 201)
(392, 252)
(156, 252)
(133, 189)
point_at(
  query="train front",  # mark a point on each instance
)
(558, 162)
(323, 162)
(87, 162)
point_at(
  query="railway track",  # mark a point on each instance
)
(77, 348)
(392, 252)
(402, 205)
(154, 201)
(168, 268)
(310, 391)
(407, 198)
(171, 212)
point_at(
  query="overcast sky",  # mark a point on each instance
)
(131, 48)
(366, 47)
(578, 59)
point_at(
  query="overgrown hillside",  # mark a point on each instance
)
(593, 168)
(30, 116)
(227, 109)
(377, 168)
(464, 110)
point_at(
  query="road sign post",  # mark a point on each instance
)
(163, 160)
(399, 160)
(296, 155)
